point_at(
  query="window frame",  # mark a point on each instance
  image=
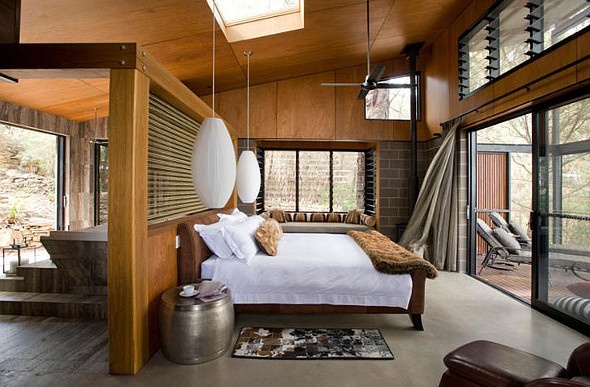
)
(535, 41)
(369, 149)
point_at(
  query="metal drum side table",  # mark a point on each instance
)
(193, 331)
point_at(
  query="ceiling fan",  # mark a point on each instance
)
(373, 79)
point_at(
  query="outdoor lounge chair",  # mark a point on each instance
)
(513, 228)
(501, 245)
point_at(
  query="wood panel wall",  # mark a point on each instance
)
(300, 108)
(492, 188)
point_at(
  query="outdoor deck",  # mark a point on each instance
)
(517, 280)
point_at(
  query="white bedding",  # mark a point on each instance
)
(310, 269)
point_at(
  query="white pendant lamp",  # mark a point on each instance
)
(213, 159)
(248, 172)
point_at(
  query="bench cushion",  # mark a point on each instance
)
(322, 227)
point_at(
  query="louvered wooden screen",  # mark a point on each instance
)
(492, 187)
(170, 188)
(370, 181)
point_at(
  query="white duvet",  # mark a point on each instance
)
(310, 269)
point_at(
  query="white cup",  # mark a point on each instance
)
(188, 289)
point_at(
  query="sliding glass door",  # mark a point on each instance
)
(563, 210)
(530, 175)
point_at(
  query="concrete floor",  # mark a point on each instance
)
(458, 309)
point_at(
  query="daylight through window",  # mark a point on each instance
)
(512, 33)
(316, 181)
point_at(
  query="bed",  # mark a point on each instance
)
(193, 253)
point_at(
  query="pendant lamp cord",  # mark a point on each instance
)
(248, 53)
(368, 42)
(213, 86)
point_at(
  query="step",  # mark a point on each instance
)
(12, 284)
(54, 304)
(42, 277)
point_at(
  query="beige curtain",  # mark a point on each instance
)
(433, 225)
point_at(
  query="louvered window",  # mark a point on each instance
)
(317, 180)
(170, 188)
(512, 33)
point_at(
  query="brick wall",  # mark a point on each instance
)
(394, 183)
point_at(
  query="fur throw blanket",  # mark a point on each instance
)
(389, 257)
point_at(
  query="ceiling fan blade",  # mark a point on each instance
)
(363, 93)
(377, 73)
(341, 84)
(393, 85)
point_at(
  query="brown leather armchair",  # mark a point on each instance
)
(485, 363)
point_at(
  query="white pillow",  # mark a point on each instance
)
(213, 238)
(236, 216)
(240, 236)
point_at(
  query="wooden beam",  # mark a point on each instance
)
(9, 21)
(127, 224)
(70, 60)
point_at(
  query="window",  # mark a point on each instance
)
(512, 33)
(101, 181)
(317, 180)
(240, 11)
(32, 165)
(392, 104)
(249, 19)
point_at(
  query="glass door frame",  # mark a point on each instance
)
(539, 217)
(538, 221)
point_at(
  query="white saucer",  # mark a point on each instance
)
(183, 294)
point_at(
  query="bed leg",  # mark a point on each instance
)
(417, 321)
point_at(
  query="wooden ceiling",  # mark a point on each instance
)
(178, 34)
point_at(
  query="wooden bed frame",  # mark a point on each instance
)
(193, 252)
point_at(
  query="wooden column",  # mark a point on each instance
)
(128, 288)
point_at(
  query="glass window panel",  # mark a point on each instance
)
(279, 180)
(236, 11)
(348, 181)
(477, 59)
(102, 186)
(314, 181)
(567, 199)
(563, 19)
(390, 104)
(513, 35)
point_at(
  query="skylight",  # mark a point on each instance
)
(249, 19)
(240, 11)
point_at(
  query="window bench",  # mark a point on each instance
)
(322, 222)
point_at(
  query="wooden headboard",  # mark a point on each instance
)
(193, 251)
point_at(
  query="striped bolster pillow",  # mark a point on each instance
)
(576, 306)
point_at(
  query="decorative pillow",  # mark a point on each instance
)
(318, 217)
(353, 216)
(267, 236)
(239, 236)
(581, 288)
(334, 217)
(507, 240)
(278, 215)
(368, 220)
(576, 306)
(299, 217)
